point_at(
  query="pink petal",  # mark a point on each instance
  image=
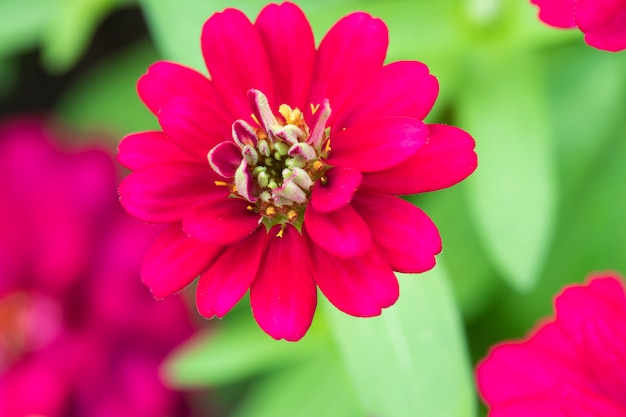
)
(403, 88)
(195, 126)
(604, 352)
(338, 190)
(360, 286)
(222, 222)
(577, 304)
(580, 401)
(447, 158)
(225, 158)
(377, 145)
(174, 260)
(406, 237)
(342, 233)
(343, 63)
(283, 296)
(163, 193)
(603, 22)
(528, 368)
(559, 13)
(236, 59)
(167, 80)
(543, 405)
(227, 280)
(139, 150)
(290, 47)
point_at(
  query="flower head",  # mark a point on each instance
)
(571, 366)
(281, 172)
(79, 335)
(602, 21)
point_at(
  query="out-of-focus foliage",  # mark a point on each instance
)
(63, 27)
(106, 97)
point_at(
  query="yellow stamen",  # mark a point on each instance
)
(281, 231)
(270, 211)
(324, 180)
(318, 165)
(255, 119)
(221, 183)
(314, 108)
(291, 215)
(327, 147)
(285, 111)
(250, 208)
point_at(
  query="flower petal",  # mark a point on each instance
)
(195, 126)
(225, 158)
(174, 260)
(377, 145)
(283, 296)
(447, 158)
(167, 80)
(163, 193)
(406, 237)
(139, 150)
(341, 183)
(577, 304)
(529, 368)
(222, 222)
(558, 13)
(603, 22)
(236, 59)
(227, 280)
(342, 233)
(290, 47)
(360, 286)
(342, 62)
(404, 88)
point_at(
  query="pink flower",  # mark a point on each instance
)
(280, 174)
(572, 366)
(602, 21)
(79, 335)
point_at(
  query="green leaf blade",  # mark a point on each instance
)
(411, 360)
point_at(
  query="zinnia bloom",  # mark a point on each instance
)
(571, 366)
(602, 21)
(281, 172)
(79, 335)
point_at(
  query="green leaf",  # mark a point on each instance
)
(472, 276)
(239, 349)
(22, 23)
(106, 97)
(587, 91)
(70, 29)
(316, 388)
(410, 361)
(513, 191)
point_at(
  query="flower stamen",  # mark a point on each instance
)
(280, 159)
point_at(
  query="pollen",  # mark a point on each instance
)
(291, 215)
(270, 211)
(318, 165)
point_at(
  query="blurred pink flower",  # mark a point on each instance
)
(307, 152)
(79, 334)
(572, 366)
(602, 21)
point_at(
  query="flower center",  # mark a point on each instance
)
(27, 322)
(274, 164)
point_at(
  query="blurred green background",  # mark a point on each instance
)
(546, 207)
